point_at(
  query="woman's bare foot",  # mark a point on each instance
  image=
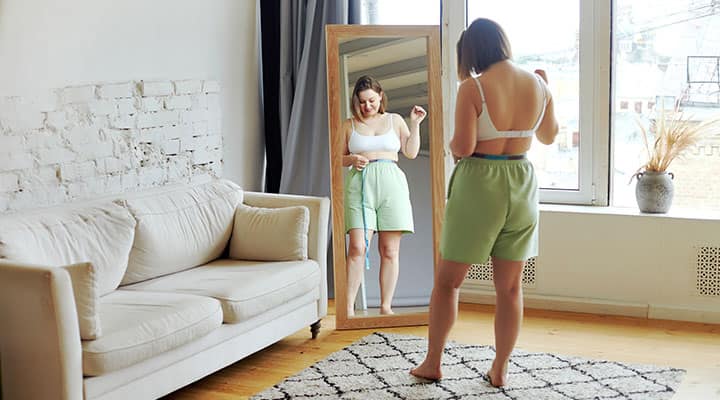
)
(427, 372)
(386, 311)
(498, 376)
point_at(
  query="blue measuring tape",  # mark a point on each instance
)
(362, 206)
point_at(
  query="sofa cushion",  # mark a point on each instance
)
(85, 288)
(98, 233)
(180, 228)
(245, 288)
(140, 325)
(270, 234)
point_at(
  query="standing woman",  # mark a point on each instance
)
(492, 204)
(377, 198)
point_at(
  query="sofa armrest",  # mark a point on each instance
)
(40, 346)
(319, 208)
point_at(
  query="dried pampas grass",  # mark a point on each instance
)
(673, 135)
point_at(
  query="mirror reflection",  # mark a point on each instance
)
(387, 197)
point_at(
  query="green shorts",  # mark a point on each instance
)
(385, 199)
(491, 210)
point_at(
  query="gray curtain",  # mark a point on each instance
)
(304, 132)
(303, 94)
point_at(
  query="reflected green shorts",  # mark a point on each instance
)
(385, 200)
(491, 210)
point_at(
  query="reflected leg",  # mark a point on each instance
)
(355, 264)
(389, 248)
(443, 312)
(507, 277)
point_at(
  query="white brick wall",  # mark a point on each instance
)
(188, 87)
(78, 94)
(83, 141)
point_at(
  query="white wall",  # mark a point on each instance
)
(46, 44)
(599, 260)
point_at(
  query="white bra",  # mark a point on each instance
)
(387, 142)
(486, 128)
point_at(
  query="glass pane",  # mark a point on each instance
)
(400, 12)
(553, 47)
(666, 54)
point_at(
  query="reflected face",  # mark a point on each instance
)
(369, 102)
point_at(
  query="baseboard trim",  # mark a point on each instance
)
(562, 303)
(485, 295)
(662, 311)
(417, 301)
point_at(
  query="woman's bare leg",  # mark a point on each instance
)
(443, 312)
(355, 266)
(389, 248)
(507, 277)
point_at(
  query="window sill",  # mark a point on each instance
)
(674, 213)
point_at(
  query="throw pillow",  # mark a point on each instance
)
(270, 234)
(84, 279)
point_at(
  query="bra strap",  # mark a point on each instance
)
(482, 94)
(542, 113)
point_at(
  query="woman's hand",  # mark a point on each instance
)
(417, 114)
(542, 74)
(359, 162)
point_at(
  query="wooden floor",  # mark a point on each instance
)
(694, 347)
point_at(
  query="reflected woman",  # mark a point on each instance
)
(377, 198)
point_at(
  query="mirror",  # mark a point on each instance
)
(392, 197)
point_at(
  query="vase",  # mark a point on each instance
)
(654, 191)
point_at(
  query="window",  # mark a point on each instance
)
(554, 48)
(666, 54)
(566, 50)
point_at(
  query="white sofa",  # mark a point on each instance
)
(167, 298)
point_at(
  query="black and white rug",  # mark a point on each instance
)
(377, 367)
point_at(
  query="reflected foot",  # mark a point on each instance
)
(497, 376)
(386, 311)
(427, 371)
(350, 313)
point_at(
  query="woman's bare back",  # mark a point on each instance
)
(514, 101)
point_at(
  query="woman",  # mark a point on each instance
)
(492, 205)
(376, 191)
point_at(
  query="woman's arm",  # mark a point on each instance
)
(349, 159)
(410, 135)
(548, 129)
(464, 138)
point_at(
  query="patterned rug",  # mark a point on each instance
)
(376, 367)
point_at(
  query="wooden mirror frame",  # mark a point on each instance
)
(334, 35)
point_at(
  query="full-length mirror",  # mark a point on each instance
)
(386, 155)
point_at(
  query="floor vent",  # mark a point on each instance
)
(483, 273)
(708, 271)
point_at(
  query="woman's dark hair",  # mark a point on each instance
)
(481, 45)
(364, 83)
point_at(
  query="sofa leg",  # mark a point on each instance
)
(315, 328)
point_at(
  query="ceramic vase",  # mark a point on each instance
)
(654, 191)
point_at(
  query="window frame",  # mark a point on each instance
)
(594, 156)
